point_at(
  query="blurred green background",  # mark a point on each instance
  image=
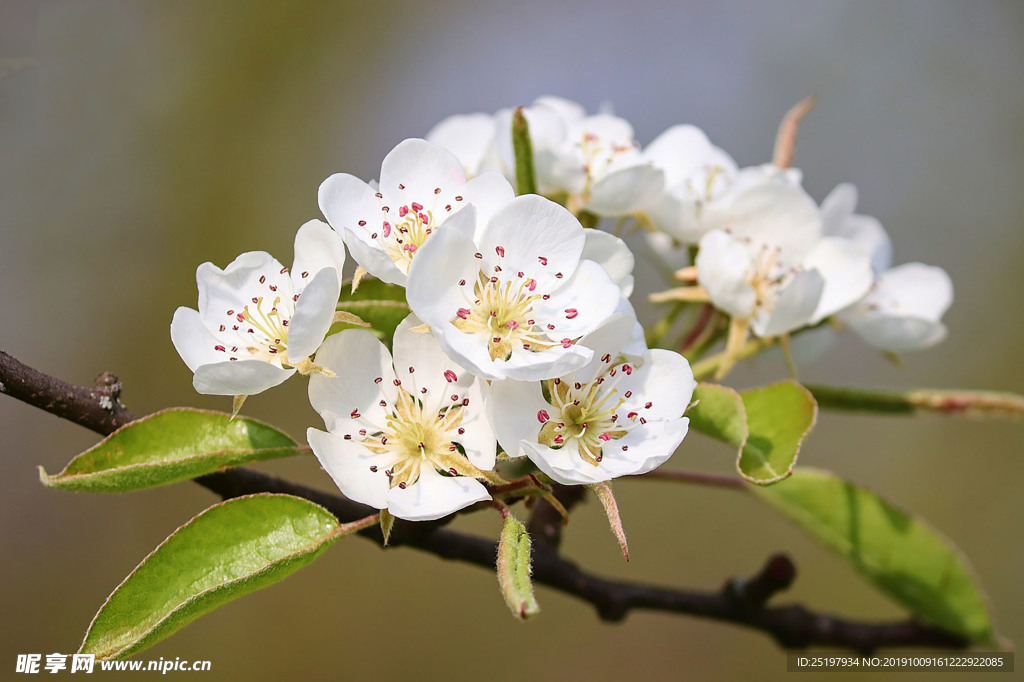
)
(140, 139)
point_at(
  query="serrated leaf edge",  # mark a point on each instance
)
(799, 443)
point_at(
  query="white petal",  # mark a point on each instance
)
(317, 246)
(537, 236)
(434, 496)
(683, 151)
(771, 214)
(514, 407)
(314, 312)
(233, 287)
(837, 207)
(353, 209)
(623, 191)
(616, 335)
(348, 463)
(488, 192)
(846, 271)
(434, 292)
(523, 365)
(923, 290)
(567, 110)
(898, 333)
(470, 137)
(581, 304)
(839, 220)
(612, 254)
(664, 381)
(610, 129)
(793, 307)
(903, 310)
(649, 446)
(676, 217)
(345, 200)
(359, 360)
(373, 258)
(422, 364)
(193, 341)
(723, 266)
(564, 465)
(478, 440)
(245, 377)
(419, 167)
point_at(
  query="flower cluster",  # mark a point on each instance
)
(521, 341)
(768, 255)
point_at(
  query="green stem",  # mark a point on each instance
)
(919, 401)
(526, 181)
(664, 325)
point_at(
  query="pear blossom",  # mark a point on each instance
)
(407, 433)
(595, 159)
(421, 186)
(839, 220)
(904, 308)
(753, 270)
(259, 322)
(774, 266)
(696, 173)
(617, 416)
(514, 300)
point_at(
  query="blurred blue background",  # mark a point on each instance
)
(140, 139)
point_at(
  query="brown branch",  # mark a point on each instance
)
(741, 602)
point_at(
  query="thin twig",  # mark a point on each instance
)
(791, 626)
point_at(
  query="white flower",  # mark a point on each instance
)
(774, 265)
(696, 173)
(612, 254)
(257, 322)
(615, 417)
(421, 186)
(594, 160)
(513, 301)
(409, 435)
(904, 309)
(755, 269)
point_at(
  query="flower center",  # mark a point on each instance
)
(260, 329)
(415, 438)
(502, 310)
(402, 239)
(267, 331)
(585, 413)
(767, 277)
(598, 157)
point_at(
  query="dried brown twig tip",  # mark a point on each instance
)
(785, 140)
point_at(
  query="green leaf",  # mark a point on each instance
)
(382, 305)
(169, 446)
(920, 401)
(229, 550)
(522, 146)
(779, 417)
(897, 552)
(514, 569)
(719, 413)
